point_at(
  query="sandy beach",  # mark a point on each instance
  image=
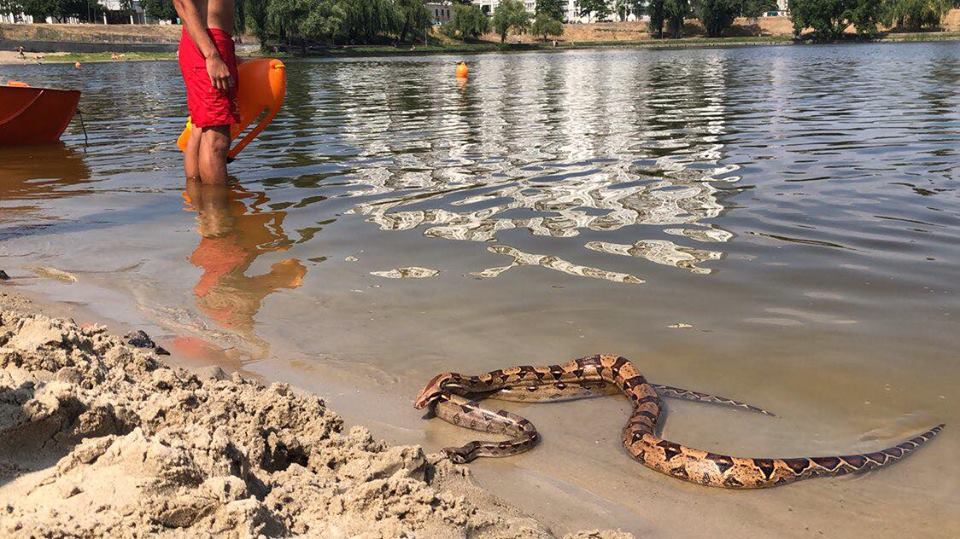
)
(98, 438)
(14, 57)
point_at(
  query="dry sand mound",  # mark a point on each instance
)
(101, 439)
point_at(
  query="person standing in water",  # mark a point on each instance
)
(209, 66)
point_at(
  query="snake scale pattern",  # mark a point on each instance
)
(453, 397)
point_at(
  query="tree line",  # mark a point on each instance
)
(292, 21)
(62, 10)
(391, 21)
(470, 22)
(830, 18)
(338, 21)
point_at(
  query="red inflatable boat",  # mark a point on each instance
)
(34, 115)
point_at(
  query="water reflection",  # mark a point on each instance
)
(234, 230)
(521, 258)
(38, 173)
(662, 252)
(551, 153)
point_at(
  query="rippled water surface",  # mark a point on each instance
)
(774, 224)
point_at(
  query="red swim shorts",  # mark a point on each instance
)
(208, 106)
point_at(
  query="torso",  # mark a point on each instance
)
(217, 14)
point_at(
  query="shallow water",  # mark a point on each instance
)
(797, 207)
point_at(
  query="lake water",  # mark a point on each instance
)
(773, 224)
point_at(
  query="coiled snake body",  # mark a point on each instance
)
(450, 396)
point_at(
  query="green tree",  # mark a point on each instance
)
(915, 15)
(414, 18)
(159, 9)
(94, 11)
(829, 18)
(716, 15)
(510, 14)
(865, 15)
(59, 10)
(297, 21)
(256, 15)
(826, 17)
(368, 19)
(625, 8)
(657, 12)
(38, 9)
(240, 18)
(676, 11)
(598, 9)
(126, 7)
(545, 25)
(327, 21)
(469, 21)
(551, 8)
(756, 8)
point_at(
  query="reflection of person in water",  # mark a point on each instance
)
(232, 237)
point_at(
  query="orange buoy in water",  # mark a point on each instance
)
(77, 65)
(263, 85)
(462, 70)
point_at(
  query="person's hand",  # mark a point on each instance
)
(219, 73)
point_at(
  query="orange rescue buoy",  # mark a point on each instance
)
(263, 85)
(462, 70)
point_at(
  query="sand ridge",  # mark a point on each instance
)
(101, 439)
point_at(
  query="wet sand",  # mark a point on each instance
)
(580, 477)
(98, 438)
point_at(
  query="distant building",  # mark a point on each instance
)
(489, 5)
(440, 12)
(570, 10)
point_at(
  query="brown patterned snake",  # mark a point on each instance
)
(448, 394)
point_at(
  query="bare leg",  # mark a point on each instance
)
(191, 155)
(214, 145)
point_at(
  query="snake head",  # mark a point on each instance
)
(432, 391)
(456, 455)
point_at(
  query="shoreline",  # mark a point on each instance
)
(100, 437)
(360, 51)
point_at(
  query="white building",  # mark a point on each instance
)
(489, 5)
(571, 13)
(440, 12)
